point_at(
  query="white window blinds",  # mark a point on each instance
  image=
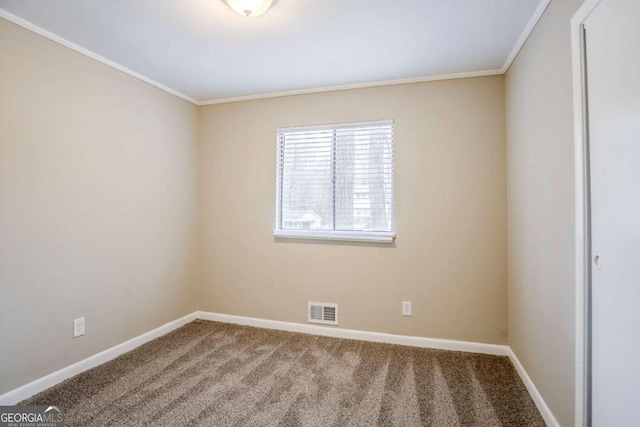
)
(336, 182)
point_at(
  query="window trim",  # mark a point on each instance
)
(336, 235)
(348, 236)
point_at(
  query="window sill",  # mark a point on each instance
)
(348, 236)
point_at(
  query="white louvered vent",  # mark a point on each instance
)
(322, 312)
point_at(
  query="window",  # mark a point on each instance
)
(336, 182)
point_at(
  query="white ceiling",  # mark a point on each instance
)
(204, 51)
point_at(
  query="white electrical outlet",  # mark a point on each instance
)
(78, 327)
(406, 308)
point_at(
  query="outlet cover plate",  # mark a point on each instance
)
(78, 327)
(406, 308)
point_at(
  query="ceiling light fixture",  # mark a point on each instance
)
(250, 8)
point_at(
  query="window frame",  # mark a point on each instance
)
(351, 236)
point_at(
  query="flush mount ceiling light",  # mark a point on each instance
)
(250, 8)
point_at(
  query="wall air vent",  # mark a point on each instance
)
(322, 312)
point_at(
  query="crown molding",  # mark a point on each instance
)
(44, 33)
(542, 6)
(469, 74)
(482, 73)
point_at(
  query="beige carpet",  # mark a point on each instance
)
(215, 374)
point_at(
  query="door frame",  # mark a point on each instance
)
(582, 406)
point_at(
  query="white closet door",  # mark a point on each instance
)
(613, 80)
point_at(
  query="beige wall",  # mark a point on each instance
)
(449, 257)
(541, 208)
(98, 206)
(99, 201)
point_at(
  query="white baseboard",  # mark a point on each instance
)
(533, 391)
(14, 396)
(441, 344)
